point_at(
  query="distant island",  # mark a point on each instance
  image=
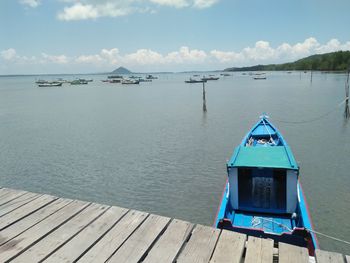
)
(334, 61)
(121, 70)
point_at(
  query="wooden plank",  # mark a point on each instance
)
(26, 223)
(170, 243)
(229, 248)
(10, 196)
(3, 192)
(290, 254)
(19, 244)
(52, 242)
(259, 250)
(141, 240)
(25, 210)
(115, 237)
(71, 251)
(328, 257)
(200, 246)
(17, 203)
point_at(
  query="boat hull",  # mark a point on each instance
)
(264, 162)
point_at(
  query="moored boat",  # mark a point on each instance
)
(259, 76)
(151, 77)
(210, 78)
(50, 84)
(79, 82)
(263, 195)
(191, 80)
(130, 81)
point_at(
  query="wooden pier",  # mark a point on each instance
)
(45, 228)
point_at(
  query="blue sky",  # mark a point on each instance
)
(70, 36)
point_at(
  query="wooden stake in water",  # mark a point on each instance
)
(311, 76)
(347, 111)
(204, 101)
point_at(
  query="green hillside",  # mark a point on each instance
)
(335, 61)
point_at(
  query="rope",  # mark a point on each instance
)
(328, 236)
(268, 132)
(316, 118)
(255, 223)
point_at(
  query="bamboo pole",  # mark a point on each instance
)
(204, 101)
(347, 111)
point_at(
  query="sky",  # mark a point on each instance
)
(88, 36)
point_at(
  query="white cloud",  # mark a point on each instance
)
(85, 10)
(225, 57)
(31, 3)
(93, 9)
(8, 54)
(78, 12)
(144, 57)
(260, 53)
(185, 55)
(204, 3)
(172, 3)
(60, 59)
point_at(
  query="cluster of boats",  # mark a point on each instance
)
(130, 80)
(59, 82)
(201, 80)
(256, 76)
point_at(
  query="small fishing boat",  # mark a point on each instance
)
(259, 76)
(41, 81)
(115, 80)
(115, 77)
(151, 77)
(263, 196)
(50, 84)
(210, 78)
(191, 80)
(130, 81)
(79, 82)
(144, 80)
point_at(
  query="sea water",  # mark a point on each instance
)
(151, 147)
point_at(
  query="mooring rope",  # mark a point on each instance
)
(290, 230)
(328, 236)
(316, 118)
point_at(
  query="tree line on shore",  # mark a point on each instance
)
(335, 61)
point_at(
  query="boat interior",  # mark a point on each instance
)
(263, 134)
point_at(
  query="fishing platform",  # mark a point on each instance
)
(44, 228)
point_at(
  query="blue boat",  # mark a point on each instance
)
(263, 196)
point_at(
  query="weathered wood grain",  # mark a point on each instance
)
(200, 245)
(19, 227)
(72, 250)
(290, 254)
(17, 203)
(229, 248)
(141, 240)
(50, 243)
(19, 244)
(25, 210)
(114, 238)
(328, 257)
(259, 250)
(11, 196)
(169, 244)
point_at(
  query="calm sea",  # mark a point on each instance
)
(150, 146)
